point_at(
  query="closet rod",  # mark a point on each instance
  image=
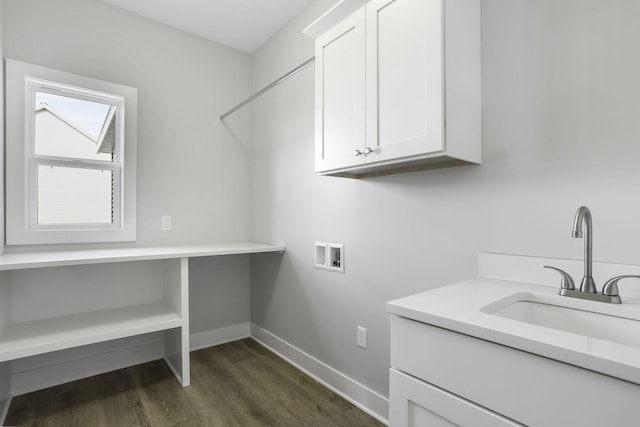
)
(269, 87)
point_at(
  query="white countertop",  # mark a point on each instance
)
(18, 261)
(458, 308)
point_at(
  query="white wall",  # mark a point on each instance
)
(560, 98)
(190, 165)
(560, 129)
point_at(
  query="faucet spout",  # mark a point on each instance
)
(583, 228)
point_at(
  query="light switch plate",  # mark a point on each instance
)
(361, 339)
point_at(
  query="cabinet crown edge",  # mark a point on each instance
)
(331, 17)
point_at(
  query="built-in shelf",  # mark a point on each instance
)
(25, 339)
(98, 256)
(68, 303)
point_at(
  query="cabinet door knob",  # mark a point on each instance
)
(357, 152)
(368, 151)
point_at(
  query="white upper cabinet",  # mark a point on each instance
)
(397, 86)
(340, 94)
(404, 78)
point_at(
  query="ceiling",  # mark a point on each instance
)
(241, 24)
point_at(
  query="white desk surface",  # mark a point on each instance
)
(18, 261)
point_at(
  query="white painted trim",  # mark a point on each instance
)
(75, 368)
(19, 261)
(176, 373)
(43, 375)
(18, 200)
(4, 409)
(358, 394)
(51, 369)
(336, 14)
(213, 337)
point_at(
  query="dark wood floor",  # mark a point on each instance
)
(235, 384)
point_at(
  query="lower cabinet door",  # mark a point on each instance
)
(415, 403)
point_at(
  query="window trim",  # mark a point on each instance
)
(22, 81)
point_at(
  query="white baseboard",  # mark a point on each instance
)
(61, 367)
(74, 364)
(200, 340)
(361, 396)
(51, 369)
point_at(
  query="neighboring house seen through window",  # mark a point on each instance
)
(75, 160)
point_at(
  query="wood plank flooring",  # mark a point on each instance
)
(235, 384)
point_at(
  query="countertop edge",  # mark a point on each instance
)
(469, 325)
(17, 261)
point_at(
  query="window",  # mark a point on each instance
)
(72, 140)
(74, 157)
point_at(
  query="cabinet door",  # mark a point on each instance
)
(340, 94)
(414, 403)
(405, 95)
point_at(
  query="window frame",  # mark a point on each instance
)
(34, 160)
(22, 82)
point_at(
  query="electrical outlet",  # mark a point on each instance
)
(166, 223)
(362, 337)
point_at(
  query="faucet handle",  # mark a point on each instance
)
(611, 287)
(566, 282)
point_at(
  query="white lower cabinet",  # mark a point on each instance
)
(416, 403)
(441, 378)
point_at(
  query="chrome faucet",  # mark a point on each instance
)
(583, 220)
(583, 228)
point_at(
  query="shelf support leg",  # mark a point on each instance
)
(176, 341)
